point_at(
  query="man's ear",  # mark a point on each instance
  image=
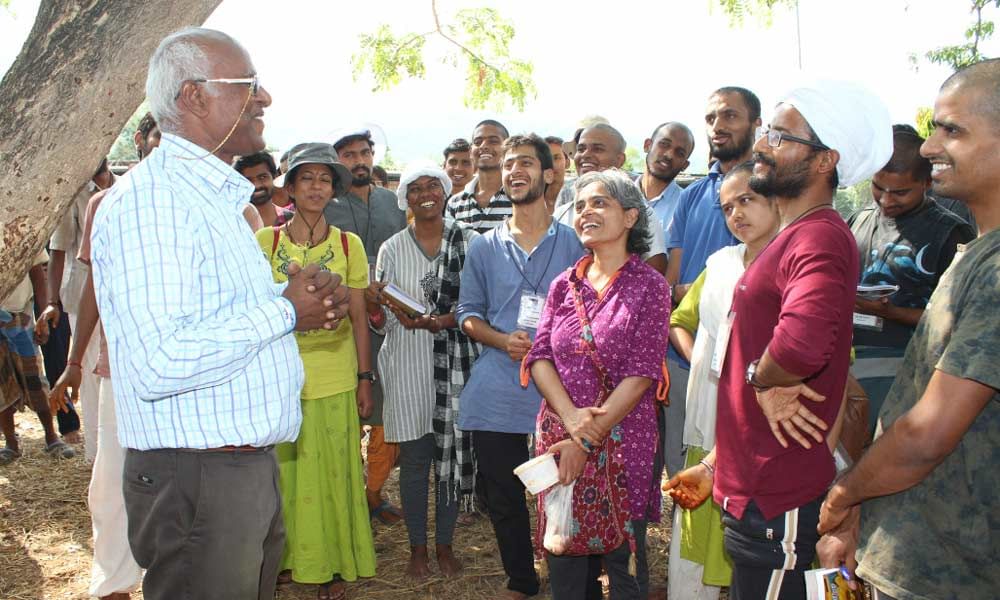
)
(685, 166)
(620, 160)
(548, 176)
(647, 145)
(193, 99)
(828, 161)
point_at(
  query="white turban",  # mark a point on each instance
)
(416, 170)
(849, 119)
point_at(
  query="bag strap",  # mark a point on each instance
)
(277, 235)
(344, 245)
(587, 335)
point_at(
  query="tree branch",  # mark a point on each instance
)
(440, 31)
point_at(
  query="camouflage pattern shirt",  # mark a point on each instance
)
(941, 538)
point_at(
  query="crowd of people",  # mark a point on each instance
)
(727, 340)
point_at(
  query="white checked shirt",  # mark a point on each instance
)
(197, 329)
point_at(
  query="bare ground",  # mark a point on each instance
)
(45, 539)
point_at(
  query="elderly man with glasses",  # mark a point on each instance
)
(195, 326)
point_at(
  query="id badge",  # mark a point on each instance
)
(721, 345)
(869, 322)
(531, 311)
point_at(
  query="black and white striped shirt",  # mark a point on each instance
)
(464, 208)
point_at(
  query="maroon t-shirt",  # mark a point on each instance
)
(796, 301)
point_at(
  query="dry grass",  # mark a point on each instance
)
(45, 540)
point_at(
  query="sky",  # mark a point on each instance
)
(637, 65)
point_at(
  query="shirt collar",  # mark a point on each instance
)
(185, 154)
(715, 171)
(503, 231)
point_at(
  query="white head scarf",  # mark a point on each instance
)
(850, 119)
(416, 170)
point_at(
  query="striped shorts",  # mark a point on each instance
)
(770, 557)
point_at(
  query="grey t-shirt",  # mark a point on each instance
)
(941, 538)
(374, 222)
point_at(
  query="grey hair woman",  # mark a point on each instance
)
(618, 185)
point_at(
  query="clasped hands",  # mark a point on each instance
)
(319, 299)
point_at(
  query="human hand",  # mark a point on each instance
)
(572, 459)
(839, 543)
(373, 293)
(70, 379)
(364, 398)
(783, 410)
(582, 427)
(41, 333)
(877, 307)
(691, 487)
(518, 345)
(317, 296)
(51, 314)
(428, 322)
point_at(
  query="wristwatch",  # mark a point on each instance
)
(750, 377)
(369, 375)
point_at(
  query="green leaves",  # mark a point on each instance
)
(481, 48)
(738, 10)
(387, 57)
(963, 55)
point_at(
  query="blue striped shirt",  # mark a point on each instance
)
(197, 330)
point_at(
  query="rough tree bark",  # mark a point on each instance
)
(79, 77)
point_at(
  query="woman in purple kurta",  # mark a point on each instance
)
(627, 304)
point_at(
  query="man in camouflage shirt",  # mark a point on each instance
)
(931, 520)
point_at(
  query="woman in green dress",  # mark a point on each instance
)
(329, 538)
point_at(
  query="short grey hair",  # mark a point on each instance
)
(180, 57)
(617, 135)
(620, 186)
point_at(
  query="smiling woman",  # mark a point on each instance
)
(599, 409)
(329, 538)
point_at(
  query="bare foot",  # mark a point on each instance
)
(447, 563)
(420, 564)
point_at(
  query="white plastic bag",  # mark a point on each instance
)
(558, 518)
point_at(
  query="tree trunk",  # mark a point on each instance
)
(79, 77)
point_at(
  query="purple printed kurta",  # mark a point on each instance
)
(630, 324)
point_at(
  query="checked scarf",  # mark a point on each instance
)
(454, 353)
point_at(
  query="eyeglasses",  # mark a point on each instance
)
(774, 138)
(252, 82)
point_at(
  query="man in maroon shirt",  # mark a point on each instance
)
(782, 379)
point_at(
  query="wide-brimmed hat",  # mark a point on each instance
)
(321, 154)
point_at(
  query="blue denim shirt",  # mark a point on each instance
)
(497, 271)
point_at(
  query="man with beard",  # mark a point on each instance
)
(790, 340)
(373, 214)
(483, 204)
(929, 482)
(504, 284)
(598, 147)
(458, 163)
(260, 170)
(667, 154)
(698, 229)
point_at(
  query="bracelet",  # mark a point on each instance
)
(74, 363)
(711, 469)
(55, 304)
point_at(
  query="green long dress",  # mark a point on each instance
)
(328, 532)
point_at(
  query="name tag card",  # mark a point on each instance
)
(721, 345)
(531, 310)
(868, 322)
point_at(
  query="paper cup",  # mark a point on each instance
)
(539, 473)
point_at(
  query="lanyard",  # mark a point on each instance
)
(524, 276)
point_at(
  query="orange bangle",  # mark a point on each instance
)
(74, 363)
